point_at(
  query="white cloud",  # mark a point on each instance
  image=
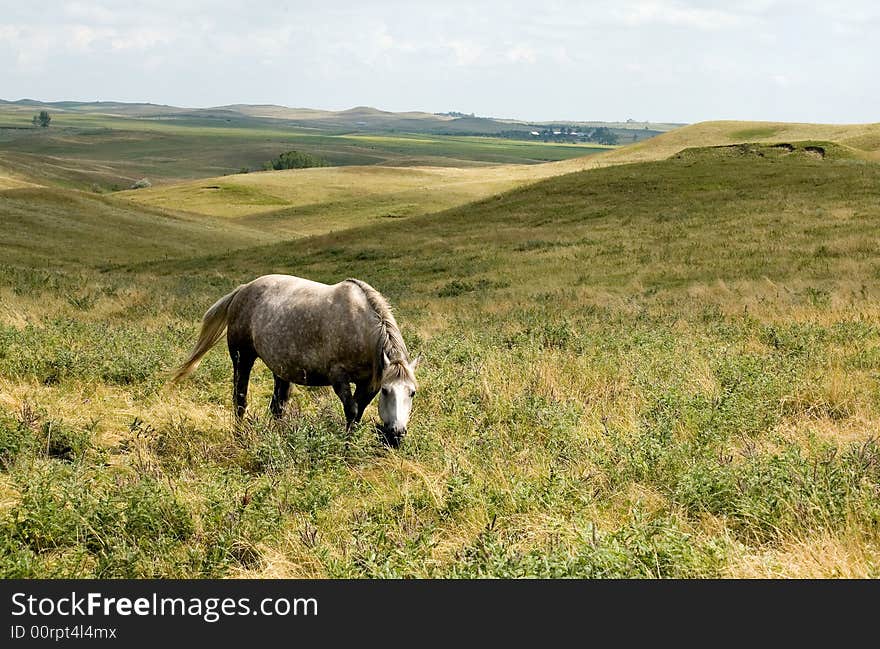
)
(522, 54)
(666, 12)
(82, 38)
(9, 32)
(91, 13)
(384, 40)
(467, 53)
(139, 39)
(672, 13)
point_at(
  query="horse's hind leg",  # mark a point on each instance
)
(349, 405)
(279, 396)
(242, 363)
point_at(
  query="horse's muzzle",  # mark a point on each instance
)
(391, 435)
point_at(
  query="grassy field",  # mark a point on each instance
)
(110, 152)
(306, 202)
(315, 201)
(662, 369)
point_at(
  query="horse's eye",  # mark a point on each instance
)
(412, 393)
(385, 391)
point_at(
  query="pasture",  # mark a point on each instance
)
(295, 203)
(98, 152)
(669, 368)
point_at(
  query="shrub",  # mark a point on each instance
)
(295, 160)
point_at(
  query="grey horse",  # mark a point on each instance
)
(310, 333)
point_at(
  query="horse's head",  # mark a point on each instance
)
(396, 398)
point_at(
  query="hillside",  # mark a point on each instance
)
(864, 139)
(307, 202)
(313, 201)
(11, 180)
(60, 228)
(110, 152)
(557, 219)
(107, 146)
(133, 109)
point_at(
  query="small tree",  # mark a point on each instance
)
(44, 118)
(35, 121)
(295, 160)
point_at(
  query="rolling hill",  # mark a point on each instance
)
(864, 139)
(11, 180)
(306, 202)
(359, 118)
(541, 227)
(312, 201)
(59, 228)
(84, 150)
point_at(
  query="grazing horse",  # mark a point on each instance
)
(314, 334)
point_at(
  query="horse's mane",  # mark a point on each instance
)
(389, 341)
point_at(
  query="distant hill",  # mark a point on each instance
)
(358, 118)
(107, 146)
(96, 107)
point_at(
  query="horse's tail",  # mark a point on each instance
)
(213, 325)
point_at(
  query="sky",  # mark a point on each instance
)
(647, 60)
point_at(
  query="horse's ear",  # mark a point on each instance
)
(415, 363)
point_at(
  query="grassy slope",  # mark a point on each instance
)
(700, 184)
(300, 203)
(668, 369)
(52, 227)
(863, 138)
(313, 201)
(11, 180)
(80, 150)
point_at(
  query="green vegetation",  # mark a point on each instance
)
(42, 119)
(669, 369)
(778, 151)
(759, 132)
(110, 152)
(295, 160)
(563, 133)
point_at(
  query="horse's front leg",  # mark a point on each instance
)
(363, 395)
(349, 405)
(279, 397)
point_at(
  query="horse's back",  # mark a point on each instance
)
(296, 324)
(276, 285)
